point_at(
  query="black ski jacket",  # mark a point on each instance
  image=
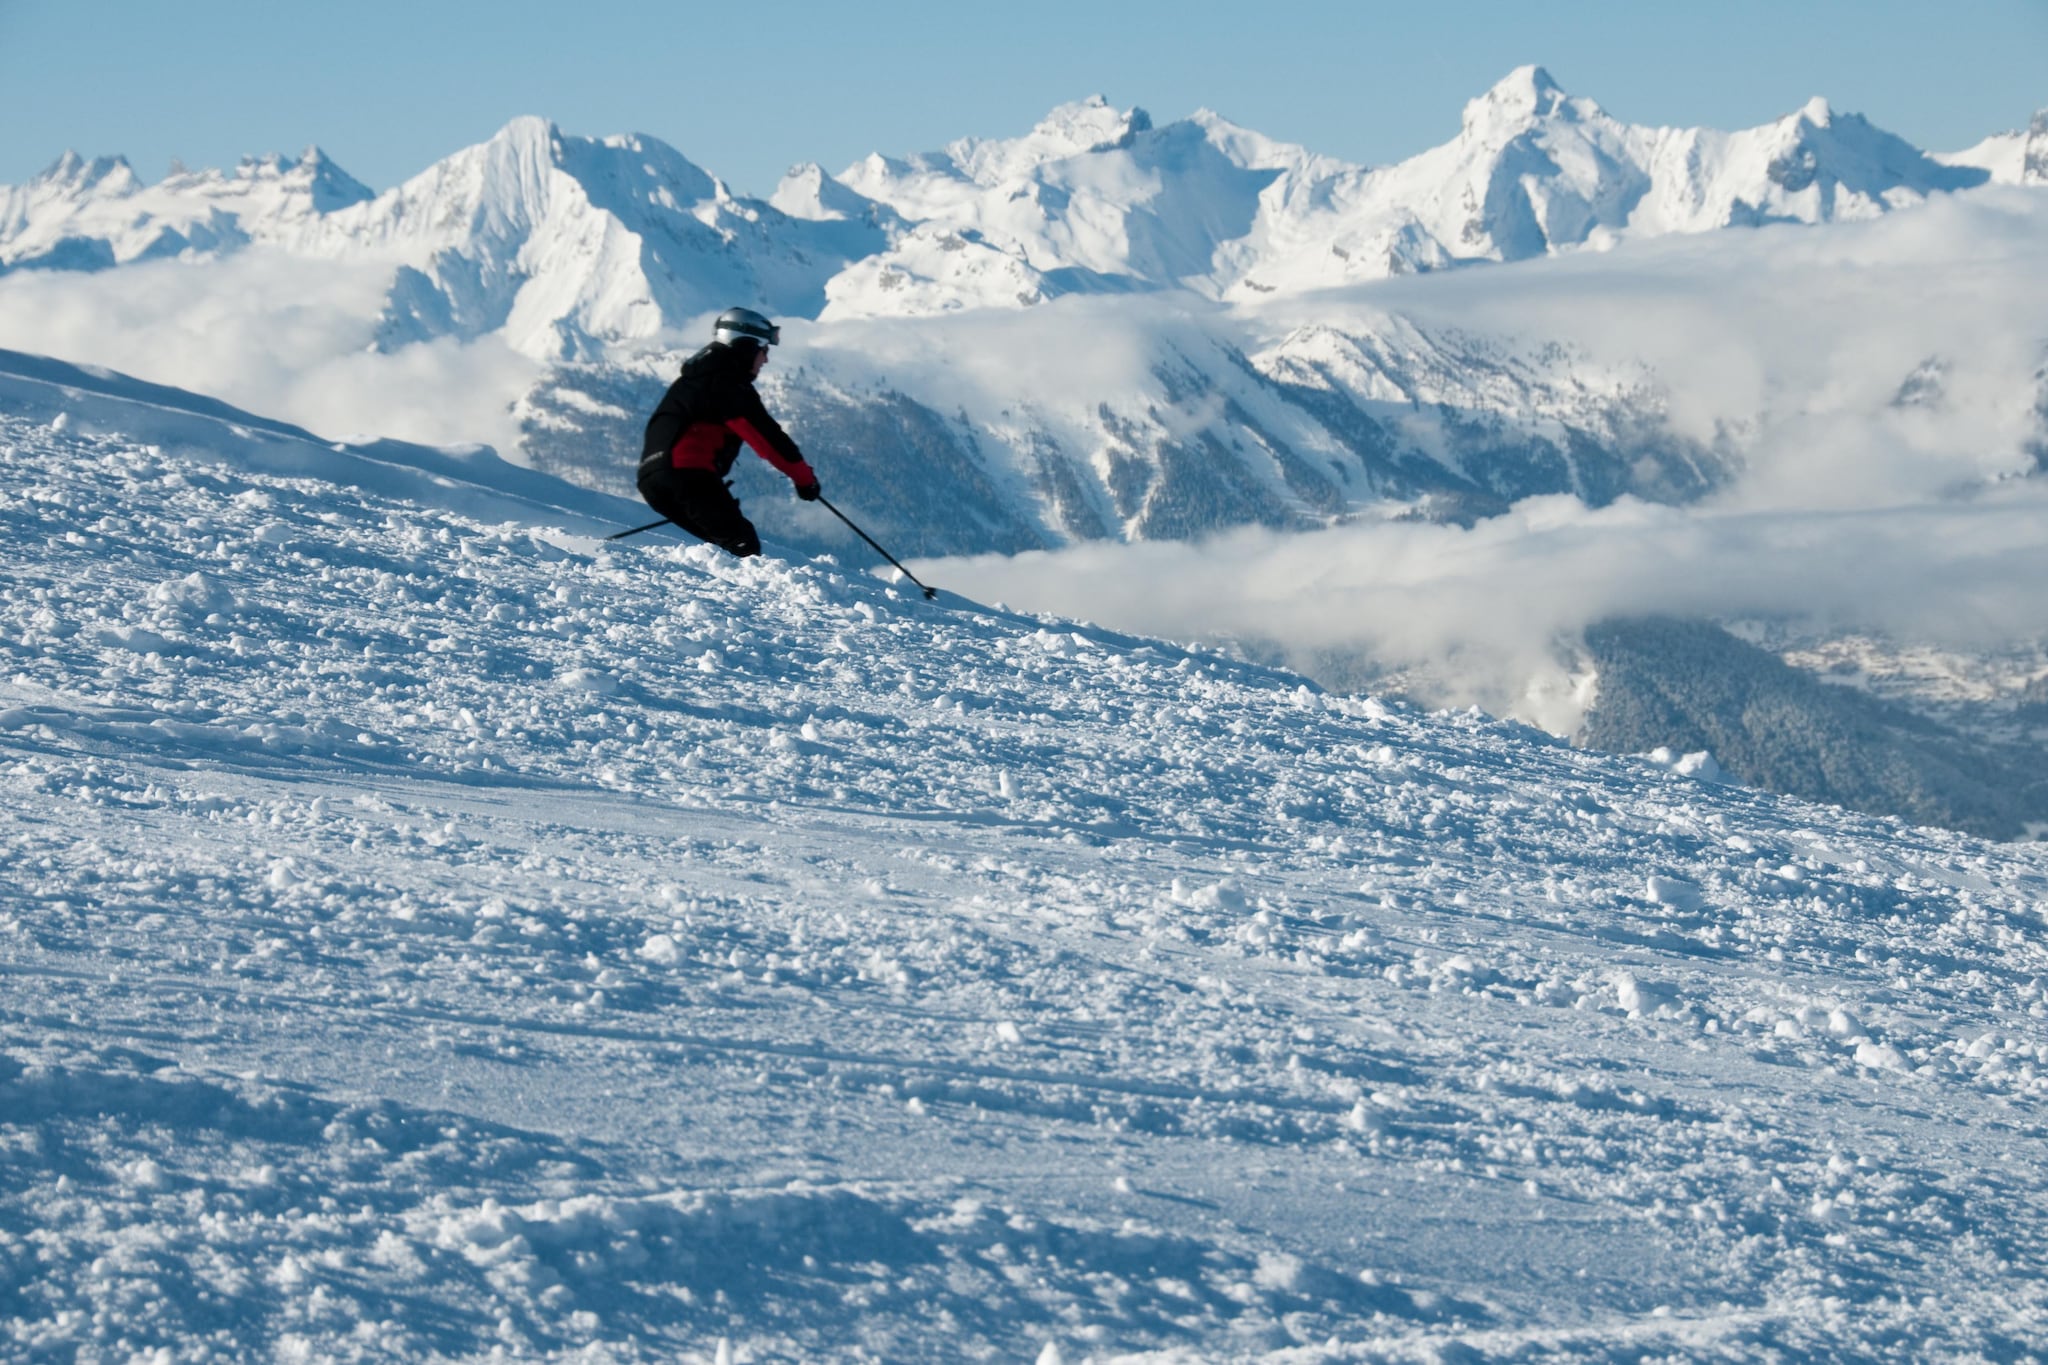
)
(710, 409)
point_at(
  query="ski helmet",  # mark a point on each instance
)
(744, 324)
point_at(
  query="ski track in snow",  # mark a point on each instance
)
(423, 938)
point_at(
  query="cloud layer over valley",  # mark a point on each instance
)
(1881, 382)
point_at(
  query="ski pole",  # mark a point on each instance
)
(621, 535)
(929, 593)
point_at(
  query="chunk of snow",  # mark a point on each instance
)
(1223, 895)
(662, 950)
(1674, 892)
(1699, 765)
(1880, 1057)
(1278, 1271)
(1642, 997)
(589, 680)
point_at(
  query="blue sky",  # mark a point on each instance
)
(747, 89)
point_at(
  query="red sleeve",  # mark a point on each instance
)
(770, 441)
(799, 471)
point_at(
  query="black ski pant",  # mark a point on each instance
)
(700, 502)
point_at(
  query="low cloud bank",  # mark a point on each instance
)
(1490, 616)
(281, 336)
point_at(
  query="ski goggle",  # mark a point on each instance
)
(767, 334)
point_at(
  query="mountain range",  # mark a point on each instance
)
(573, 245)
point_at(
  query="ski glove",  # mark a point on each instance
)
(809, 491)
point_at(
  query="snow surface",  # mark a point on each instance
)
(428, 936)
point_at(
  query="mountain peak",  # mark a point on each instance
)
(312, 173)
(74, 173)
(527, 133)
(1091, 125)
(809, 193)
(528, 140)
(517, 163)
(1073, 129)
(332, 187)
(1526, 93)
(1816, 112)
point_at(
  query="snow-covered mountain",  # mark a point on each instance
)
(564, 244)
(94, 215)
(1095, 199)
(431, 933)
(571, 244)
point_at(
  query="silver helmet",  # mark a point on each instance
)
(744, 324)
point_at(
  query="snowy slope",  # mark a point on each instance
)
(471, 479)
(427, 936)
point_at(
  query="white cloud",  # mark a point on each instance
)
(1485, 615)
(283, 337)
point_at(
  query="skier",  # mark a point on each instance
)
(695, 435)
